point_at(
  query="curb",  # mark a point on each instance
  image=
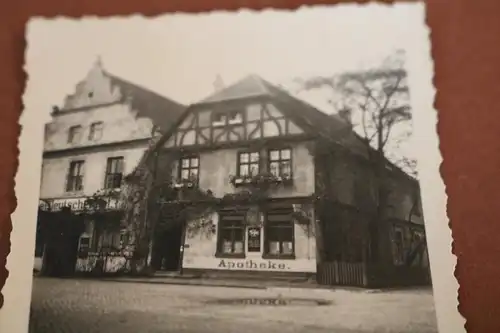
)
(181, 282)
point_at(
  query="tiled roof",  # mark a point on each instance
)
(163, 112)
(250, 86)
(332, 127)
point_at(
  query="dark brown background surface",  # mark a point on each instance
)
(466, 49)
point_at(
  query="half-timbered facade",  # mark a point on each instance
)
(266, 158)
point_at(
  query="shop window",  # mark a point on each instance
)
(279, 234)
(231, 234)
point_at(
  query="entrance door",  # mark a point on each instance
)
(168, 248)
(254, 239)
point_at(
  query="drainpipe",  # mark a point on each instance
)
(152, 231)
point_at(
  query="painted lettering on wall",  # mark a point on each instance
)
(78, 204)
(252, 264)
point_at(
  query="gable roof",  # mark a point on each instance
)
(249, 86)
(330, 127)
(312, 120)
(163, 111)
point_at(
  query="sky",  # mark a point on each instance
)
(180, 55)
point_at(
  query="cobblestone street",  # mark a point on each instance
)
(82, 306)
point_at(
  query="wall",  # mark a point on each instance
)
(95, 99)
(55, 170)
(216, 168)
(402, 198)
(120, 124)
(94, 89)
(351, 182)
(200, 248)
(263, 121)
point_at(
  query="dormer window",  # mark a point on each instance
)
(219, 119)
(234, 117)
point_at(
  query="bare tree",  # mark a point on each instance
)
(376, 102)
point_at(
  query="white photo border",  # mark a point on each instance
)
(14, 316)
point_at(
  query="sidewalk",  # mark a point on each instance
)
(239, 282)
(248, 283)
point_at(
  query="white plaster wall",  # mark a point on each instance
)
(55, 171)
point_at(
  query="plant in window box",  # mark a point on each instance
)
(185, 183)
(245, 196)
(262, 180)
(271, 178)
(285, 178)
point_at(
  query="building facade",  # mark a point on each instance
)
(292, 192)
(97, 136)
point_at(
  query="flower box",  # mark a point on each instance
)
(184, 184)
(260, 179)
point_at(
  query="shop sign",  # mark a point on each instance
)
(76, 204)
(252, 264)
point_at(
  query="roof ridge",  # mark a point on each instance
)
(138, 86)
(249, 86)
(260, 81)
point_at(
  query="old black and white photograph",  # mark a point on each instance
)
(229, 172)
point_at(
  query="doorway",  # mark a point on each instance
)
(167, 248)
(62, 232)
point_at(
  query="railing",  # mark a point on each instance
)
(342, 274)
(371, 276)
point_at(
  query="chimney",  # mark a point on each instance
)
(346, 114)
(218, 83)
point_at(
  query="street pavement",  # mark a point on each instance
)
(92, 306)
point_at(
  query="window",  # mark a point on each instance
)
(235, 117)
(74, 134)
(95, 131)
(114, 172)
(279, 233)
(75, 176)
(189, 169)
(280, 162)
(231, 234)
(399, 250)
(84, 245)
(248, 164)
(227, 118)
